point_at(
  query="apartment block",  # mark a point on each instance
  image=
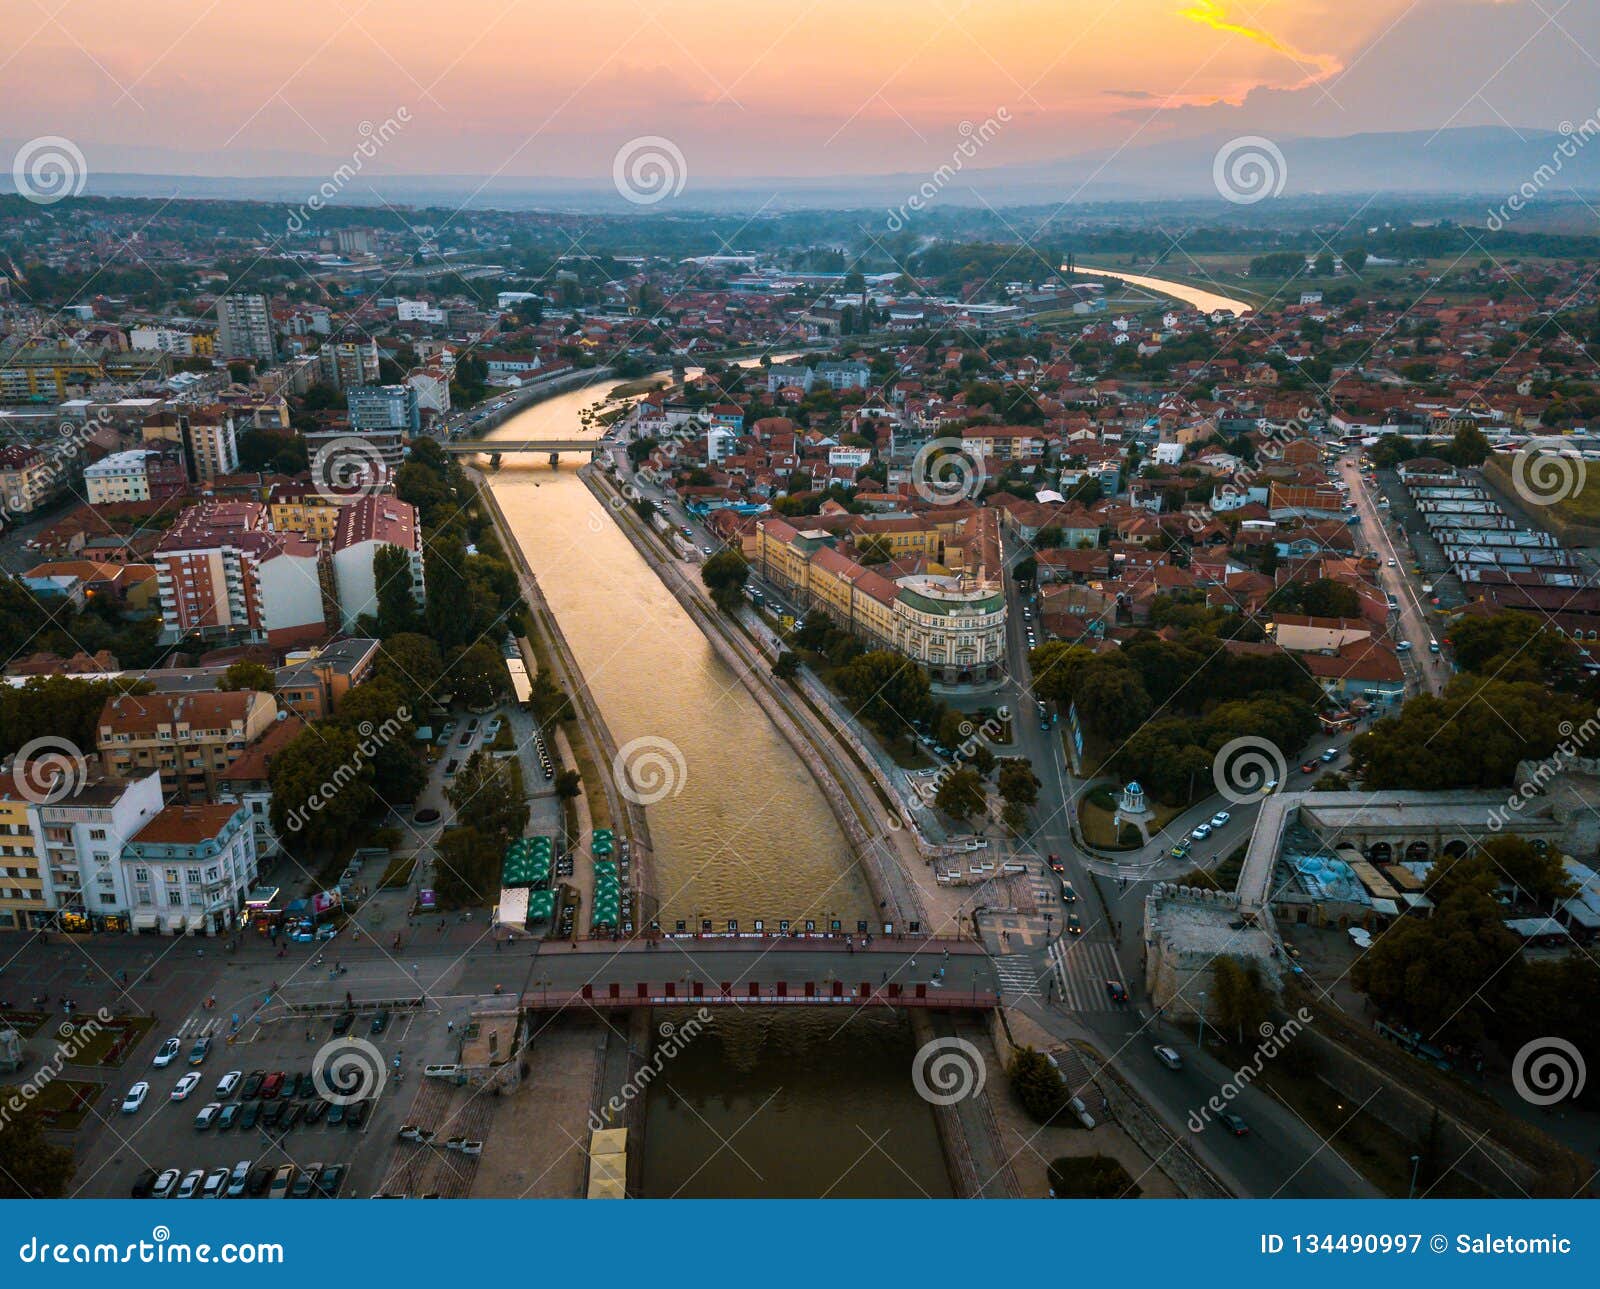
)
(189, 869)
(188, 738)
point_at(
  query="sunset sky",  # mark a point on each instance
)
(529, 87)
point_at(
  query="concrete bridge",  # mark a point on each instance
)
(696, 971)
(499, 447)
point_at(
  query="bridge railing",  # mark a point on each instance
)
(753, 993)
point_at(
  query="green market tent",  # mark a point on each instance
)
(603, 842)
(541, 906)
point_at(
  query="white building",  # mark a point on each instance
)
(365, 527)
(81, 838)
(189, 869)
(244, 327)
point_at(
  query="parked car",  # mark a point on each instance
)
(342, 1023)
(239, 1179)
(336, 1114)
(207, 1116)
(271, 1085)
(187, 1084)
(229, 1116)
(191, 1183)
(331, 1180)
(252, 1085)
(135, 1098)
(249, 1116)
(356, 1115)
(199, 1052)
(282, 1179)
(291, 1115)
(308, 1086)
(1310, 767)
(272, 1113)
(228, 1082)
(1168, 1056)
(166, 1184)
(167, 1055)
(315, 1111)
(143, 1184)
(305, 1180)
(260, 1178)
(380, 1022)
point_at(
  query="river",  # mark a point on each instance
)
(744, 833)
(1206, 301)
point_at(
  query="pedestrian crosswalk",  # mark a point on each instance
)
(1081, 968)
(1020, 975)
(200, 1025)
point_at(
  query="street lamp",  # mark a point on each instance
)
(1416, 1163)
(1200, 1017)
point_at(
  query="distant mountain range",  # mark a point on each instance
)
(1491, 162)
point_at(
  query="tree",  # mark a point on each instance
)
(478, 675)
(1091, 1177)
(961, 795)
(724, 575)
(397, 606)
(467, 867)
(1239, 999)
(1039, 1086)
(248, 675)
(1515, 646)
(1018, 782)
(569, 783)
(413, 663)
(487, 796)
(886, 689)
(30, 1167)
(451, 614)
(1111, 700)
(1014, 815)
(786, 666)
(377, 713)
(321, 786)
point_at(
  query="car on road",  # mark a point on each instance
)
(282, 1179)
(187, 1084)
(1402, 646)
(1234, 1124)
(228, 1082)
(1168, 1056)
(167, 1055)
(1056, 866)
(1200, 832)
(1069, 894)
(1330, 756)
(143, 1184)
(135, 1098)
(207, 1116)
(1220, 818)
(238, 1179)
(229, 1116)
(1390, 563)
(191, 1183)
(1310, 767)
(199, 1052)
(1074, 924)
(1117, 991)
(1180, 851)
(166, 1184)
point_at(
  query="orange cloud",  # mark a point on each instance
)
(1208, 13)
